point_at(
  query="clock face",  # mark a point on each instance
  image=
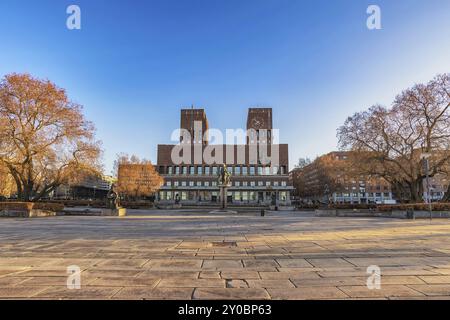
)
(257, 123)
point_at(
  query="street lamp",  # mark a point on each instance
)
(424, 156)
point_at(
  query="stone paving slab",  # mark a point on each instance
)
(307, 293)
(386, 291)
(173, 255)
(231, 294)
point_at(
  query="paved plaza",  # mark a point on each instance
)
(196, 255)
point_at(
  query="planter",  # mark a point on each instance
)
(121, 212)
(33, 213)
(325, 213)
(29, 209)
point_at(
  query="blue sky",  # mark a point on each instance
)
(134, 64)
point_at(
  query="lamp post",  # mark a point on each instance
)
(424, 156)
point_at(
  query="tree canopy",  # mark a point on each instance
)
(45, 140)
(391, 142)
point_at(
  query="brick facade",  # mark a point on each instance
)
(254, 181)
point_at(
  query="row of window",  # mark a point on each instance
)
(214, 196)
(235, 183)
(236, 170)
(369, 194)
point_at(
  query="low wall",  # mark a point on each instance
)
(398, 214)
(33, 213)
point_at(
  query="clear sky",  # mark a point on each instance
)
(135, 64)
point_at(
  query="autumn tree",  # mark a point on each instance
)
(44, 138)
(6, 183)
(136, 178)
(390, 142)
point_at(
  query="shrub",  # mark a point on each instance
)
(27, 206)
(438, 206)
(349, 206)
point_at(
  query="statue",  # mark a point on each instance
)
(224, 183)
(113, 198)
(224, 176)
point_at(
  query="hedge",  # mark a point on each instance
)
(438, 206)
(27, 206)
(343, 206)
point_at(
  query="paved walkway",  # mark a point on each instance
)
(176, 255)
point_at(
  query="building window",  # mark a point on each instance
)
(267, 171)
(260, 183)
(244, 171)
(237, 171)
(184, 170)
(192, 170)
(177, 170)
(237, 196)
(214, 183)
(237, 183)
(199, 183)
(245, 183)
(207, 171)
(252, 183)
(252, 171)
(230, 170)
(191, 183)
(169, 183)
(176, 183)
(199, 170)
(206, 183)
(183, 183)
(275, 170)
(275, 183)
(260, 171)
(244, 196)
(267, 183)
(214, 171)
(184, 195)
(170, 169)
(283, 183)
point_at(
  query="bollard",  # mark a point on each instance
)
(263, 212)
(410, 214)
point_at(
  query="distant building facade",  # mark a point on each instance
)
(254, 182)
(330, 179)
(90, 187)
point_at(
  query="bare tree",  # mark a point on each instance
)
(44, 138)
(321, 178)
(390, 142)
(303, 162)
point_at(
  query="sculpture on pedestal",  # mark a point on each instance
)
(224, 182)
(113, 198)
